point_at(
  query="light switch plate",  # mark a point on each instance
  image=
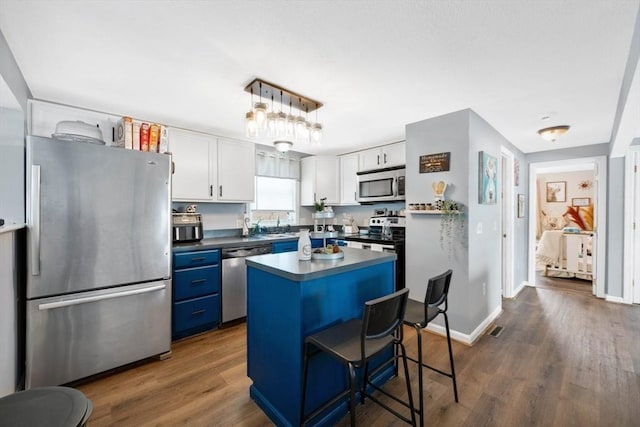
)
(479, 228)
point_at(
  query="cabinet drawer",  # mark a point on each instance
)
(196, 258)
(279, 247)
(195, 282)
(196, 315)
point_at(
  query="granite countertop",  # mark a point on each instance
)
(287, 265)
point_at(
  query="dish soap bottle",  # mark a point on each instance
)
(304, 246)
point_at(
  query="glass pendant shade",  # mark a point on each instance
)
(316, 133)
(250, 125)
(551, 133)
(301, 127)
(281, 123)
(260, 111)
(290, 126)
(271, 124)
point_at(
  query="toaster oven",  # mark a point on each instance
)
(187, 227)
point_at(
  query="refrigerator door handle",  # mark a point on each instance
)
(35, 220)
(77, 301)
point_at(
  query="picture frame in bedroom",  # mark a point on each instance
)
(520, 205)
(556, 192)
(580, 201)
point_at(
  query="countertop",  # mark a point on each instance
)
(287, 265)
(225, 242)
(11, 227)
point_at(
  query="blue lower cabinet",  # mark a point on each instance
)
(289, 246)
(196, 292)
(195, 315)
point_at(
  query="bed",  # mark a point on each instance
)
(566, 254)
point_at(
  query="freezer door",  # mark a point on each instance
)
(97, 216)
(74, 336)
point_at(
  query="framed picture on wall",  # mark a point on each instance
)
(520, 205)
(581, 201)
(557, 191)
(487, 177)
(516, 172)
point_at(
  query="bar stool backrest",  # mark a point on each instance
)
(383, 317)
(437, 290)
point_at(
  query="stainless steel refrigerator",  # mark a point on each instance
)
(98, 259)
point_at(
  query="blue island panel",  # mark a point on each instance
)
(281, 313)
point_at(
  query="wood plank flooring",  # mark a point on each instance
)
(562, 283)
(556, 363)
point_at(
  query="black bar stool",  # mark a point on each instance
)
(45, 406)
(354, 342)
(419, 314)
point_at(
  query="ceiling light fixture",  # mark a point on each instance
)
(283, 146)
(552, 133)
(265, 120)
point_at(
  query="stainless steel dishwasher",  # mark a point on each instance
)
(234, 279)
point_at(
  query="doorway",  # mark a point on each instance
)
(631, 281)
(506, 221)
(571, 196)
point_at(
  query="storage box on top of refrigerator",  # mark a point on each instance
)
(98, 259)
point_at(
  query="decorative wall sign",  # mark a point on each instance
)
(516, 172)
(581, 201)
(557, 191)
(520, 205)
(434, 162)
(487, 177)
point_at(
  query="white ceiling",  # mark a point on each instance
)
(376, 65)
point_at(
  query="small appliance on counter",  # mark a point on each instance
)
(187, 227)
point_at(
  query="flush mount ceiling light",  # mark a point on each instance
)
(552, 133)
(283, 146)
(270, 120)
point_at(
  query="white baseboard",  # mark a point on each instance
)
(468, 339)
(617, 300)
(533, 285)
(520, 288)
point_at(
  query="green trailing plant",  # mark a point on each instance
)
(451, 224)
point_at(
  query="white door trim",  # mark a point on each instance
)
(630, 272)
(600, 225)
(507, 222)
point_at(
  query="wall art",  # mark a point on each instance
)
(434, 162)
(487, 179)
(557, 191)
(520, 205)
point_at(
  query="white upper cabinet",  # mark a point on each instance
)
(208, 169)
(383, 157)
(349, 179)
(194, 176)
(319, 179)
(236, 170)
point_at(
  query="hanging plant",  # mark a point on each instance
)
(451, 224)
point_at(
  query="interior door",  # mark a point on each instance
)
(636, 229)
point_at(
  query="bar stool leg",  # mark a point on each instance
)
(352, 394)
(453, 371)
(408, 382)
(420, 393)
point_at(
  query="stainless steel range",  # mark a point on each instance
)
(386, 234)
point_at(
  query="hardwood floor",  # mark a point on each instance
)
(554, 364)
(565, 284)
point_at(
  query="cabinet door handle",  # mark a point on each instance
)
(196, 259)
(355, 195)
(220, 191)
(198, 281)
(385, 158)
(198, 312)
(211, 191)
(378, 159)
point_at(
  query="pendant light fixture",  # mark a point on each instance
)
(266, 120)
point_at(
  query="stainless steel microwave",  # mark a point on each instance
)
(381, 185)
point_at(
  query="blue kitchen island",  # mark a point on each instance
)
(288, 300)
